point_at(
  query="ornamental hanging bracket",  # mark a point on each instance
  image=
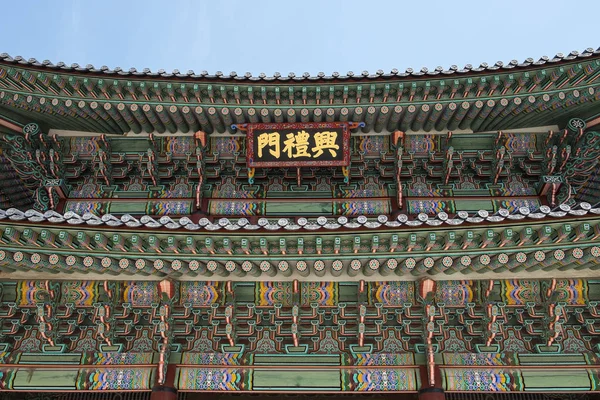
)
(240, 127)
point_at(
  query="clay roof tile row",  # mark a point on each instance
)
(146, 72)
(307, 224)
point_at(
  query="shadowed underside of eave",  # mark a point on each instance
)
(478, 116)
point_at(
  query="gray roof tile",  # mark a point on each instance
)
(498, 66)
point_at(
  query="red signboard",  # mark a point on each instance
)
(325, 144)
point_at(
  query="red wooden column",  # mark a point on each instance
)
(427, 392)
(166, 391)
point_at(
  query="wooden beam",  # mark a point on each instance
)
(10, 125)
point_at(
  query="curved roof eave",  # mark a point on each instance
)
(482, 218)
(409, 74)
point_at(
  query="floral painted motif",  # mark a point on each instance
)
(226, 379)
(519, 292)
(392, 294)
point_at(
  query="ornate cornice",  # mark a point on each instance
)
(481, 217)
(563, 239)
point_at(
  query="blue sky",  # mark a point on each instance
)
(294, 36)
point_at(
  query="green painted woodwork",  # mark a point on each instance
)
(551, 359)
(472, 142)
(299, 208)
(302, 359)
(128, 208)
(284, 380)
(250, 328)
(50, 359)
(129, 145)
(49, 379)
(556, 380)
(315, 194)
(473, 205)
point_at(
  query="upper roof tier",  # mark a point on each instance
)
(453, 71)
(490, 97)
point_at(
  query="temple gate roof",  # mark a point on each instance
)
(484, 98)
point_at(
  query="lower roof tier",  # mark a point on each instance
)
(518, 245)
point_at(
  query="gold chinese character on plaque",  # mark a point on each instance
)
(325, 141)
(270, 140)
(297, 142)
(282, 145)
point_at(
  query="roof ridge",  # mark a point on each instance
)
(409, 72)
